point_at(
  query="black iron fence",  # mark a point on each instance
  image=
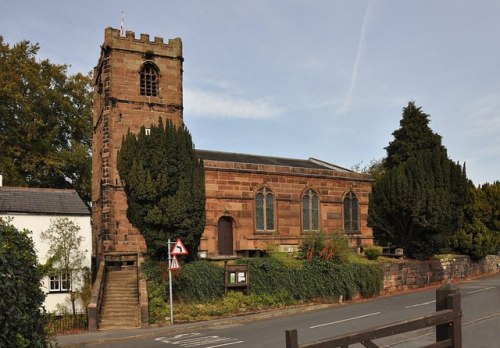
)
(66, 323)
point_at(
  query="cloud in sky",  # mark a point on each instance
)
(211, 104)
(359, 53)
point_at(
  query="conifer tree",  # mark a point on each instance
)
(418, 203)
(165, 187)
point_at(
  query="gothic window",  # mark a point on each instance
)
(264, 210)
(149, 80)
(310, 211)
(351, 213)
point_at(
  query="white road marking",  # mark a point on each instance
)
(484, 289)
(343, 320)
(420, 304)
(197, 340)
(226, 344)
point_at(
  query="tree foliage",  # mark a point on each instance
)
(45, 122)
(165, 187)
(418, 202)
(65, 253)
(22, 321)
(480, 235)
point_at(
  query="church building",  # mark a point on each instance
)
(252, 201)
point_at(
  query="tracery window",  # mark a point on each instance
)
(264, 210)
(149, 80)
(310, 211)
(351, 212)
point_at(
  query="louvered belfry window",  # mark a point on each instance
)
(149, 80)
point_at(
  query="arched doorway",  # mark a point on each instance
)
(225, 236)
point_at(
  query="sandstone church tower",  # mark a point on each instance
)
(136, 82)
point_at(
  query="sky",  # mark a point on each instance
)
(298, 79)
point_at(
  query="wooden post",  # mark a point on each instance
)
(455, 305)
(292, 340)
(448, 297)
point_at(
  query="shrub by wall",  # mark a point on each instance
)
(271, 281)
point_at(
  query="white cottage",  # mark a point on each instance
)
(33, 209)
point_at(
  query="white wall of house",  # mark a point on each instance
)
(39, 223)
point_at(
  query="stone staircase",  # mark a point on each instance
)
(120, 307)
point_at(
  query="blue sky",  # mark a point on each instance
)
(295, 78)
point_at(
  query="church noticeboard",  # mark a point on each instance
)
(236, 276)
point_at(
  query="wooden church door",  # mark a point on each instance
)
(225, 236)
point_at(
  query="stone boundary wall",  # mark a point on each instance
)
(412, 274)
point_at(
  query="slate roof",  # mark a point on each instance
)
(41, 201)
(311, 163)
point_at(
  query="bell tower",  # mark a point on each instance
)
(136, 82)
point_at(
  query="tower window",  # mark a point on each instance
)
(149, 80)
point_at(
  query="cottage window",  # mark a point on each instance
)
(351, 213)
(264, 210)
(149, 80)
(310, 211)
(59, 282)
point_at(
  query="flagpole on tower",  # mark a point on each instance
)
(122, 27)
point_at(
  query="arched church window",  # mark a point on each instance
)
(310, 211)
(264, 210)
(149, 80)
(351, 212)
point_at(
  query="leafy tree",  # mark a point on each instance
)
(418, 202)
(481, 233)
(22, 320)
(165, 187)
(65, 253)
(45, 122)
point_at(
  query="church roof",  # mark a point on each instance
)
(41, 201)
(310, 163)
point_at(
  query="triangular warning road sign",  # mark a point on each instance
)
(179, 248)
(174, 264)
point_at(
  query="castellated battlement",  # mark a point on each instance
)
(113, 39)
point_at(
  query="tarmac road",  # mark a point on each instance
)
(480, 323)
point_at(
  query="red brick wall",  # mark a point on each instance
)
(119, 107)
(230, 191)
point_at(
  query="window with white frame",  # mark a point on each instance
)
(60, 282)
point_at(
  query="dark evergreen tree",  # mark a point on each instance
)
(165, 186)
(22, 319)
(414, 135)
(418, 202)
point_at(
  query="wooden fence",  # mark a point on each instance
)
(446, 319)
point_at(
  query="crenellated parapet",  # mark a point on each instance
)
(112, 39)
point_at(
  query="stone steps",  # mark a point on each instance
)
(120, 308)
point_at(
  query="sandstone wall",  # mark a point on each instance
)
(418, 274)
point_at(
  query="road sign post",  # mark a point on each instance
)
(173, 264)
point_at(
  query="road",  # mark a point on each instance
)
(480, 322)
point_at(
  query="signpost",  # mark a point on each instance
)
(173, 264)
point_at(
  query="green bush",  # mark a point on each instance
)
(273, 283)
(22, 319)
(373, 252)
(200, 281)
(336, 248)
(312, 245)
